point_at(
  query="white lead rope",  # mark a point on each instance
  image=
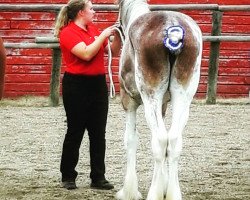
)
(111, 83)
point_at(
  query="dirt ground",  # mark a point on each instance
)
(215, 162)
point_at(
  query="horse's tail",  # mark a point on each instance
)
(174, 38)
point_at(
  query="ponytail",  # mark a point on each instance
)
(62, 20)
(67, 13)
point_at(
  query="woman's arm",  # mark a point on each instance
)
(87, 52)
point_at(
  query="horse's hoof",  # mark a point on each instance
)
(122, 196)
(119, 195)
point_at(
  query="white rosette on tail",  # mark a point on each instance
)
(174, 38)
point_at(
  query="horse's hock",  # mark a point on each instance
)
(2, 67)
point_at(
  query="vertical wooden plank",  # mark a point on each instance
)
(55, 77)
(2, 67)
(214, 59)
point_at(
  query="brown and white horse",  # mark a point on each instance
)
(160, 60)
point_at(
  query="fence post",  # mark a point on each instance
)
(55, 77)
(214, 59)
(55, 74)
(2, 67)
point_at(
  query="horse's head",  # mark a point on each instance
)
(131, 9)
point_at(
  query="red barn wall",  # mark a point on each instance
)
(28, 70)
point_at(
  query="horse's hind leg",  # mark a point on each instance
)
(153, 114)
(130, 187)
(153, 101)
(181, 98)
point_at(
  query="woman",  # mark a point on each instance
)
(85, 94)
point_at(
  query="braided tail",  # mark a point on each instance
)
(174, 39)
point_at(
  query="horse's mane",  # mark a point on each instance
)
(132, 9)
(121, 1)
(128, 4)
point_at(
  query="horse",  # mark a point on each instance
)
(159, 63)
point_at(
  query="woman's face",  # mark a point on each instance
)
(88, 12)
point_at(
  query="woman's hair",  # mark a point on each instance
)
(68, 13)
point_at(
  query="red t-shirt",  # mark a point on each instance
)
(70, 36)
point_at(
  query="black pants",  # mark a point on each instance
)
(85, 100)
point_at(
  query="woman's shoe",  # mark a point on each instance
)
(69, 185)
(102, 185)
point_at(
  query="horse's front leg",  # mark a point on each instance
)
(130, 187)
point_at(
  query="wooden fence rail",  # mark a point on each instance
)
(215, 39)
(109, 7)
(105, 7)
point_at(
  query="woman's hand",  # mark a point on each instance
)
(108, 31)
